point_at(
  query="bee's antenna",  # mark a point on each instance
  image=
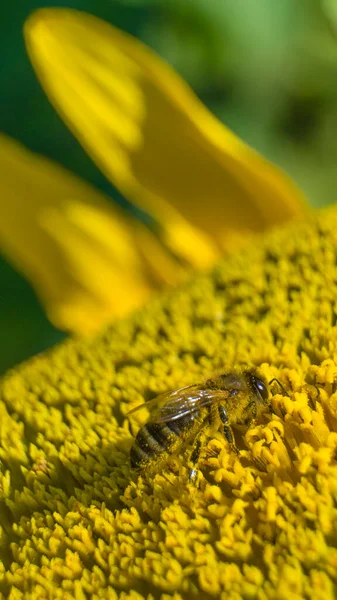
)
(281, 386)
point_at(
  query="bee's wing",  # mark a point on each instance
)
(189, 402)
(181, 402)
(155, 405)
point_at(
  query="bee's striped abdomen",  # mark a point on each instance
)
(154, 439)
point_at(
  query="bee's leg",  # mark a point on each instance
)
(227, 430)
(193, 472)
(251, 412)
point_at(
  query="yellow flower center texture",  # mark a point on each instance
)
(77, 522)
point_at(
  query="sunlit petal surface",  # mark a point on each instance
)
(77, 251)
(153, 138)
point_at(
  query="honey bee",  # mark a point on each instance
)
(181, 417)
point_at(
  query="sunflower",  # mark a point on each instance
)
(76, 521)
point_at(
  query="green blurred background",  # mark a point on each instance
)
(266, 69)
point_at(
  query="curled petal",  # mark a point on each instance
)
(154, 139)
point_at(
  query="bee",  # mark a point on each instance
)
(180, 418)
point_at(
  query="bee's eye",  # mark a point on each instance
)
(261, 388)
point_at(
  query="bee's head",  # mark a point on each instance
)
(260, 388)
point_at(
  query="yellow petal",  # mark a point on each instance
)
(76, 250)
(153, 138)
